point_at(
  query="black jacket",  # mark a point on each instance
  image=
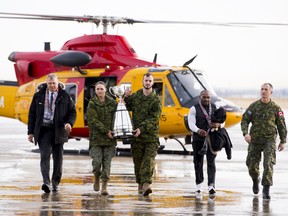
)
(65, 112)
(219, 138)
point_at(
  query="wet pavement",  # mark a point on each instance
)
(173, 186)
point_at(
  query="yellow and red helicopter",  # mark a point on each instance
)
(84, 60)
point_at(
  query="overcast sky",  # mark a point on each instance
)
(232, 57)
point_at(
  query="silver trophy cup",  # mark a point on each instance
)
(122, 128)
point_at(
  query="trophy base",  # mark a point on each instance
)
(123, 135)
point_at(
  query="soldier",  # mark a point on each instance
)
(266, 118)
(146, 110)
(102, 144)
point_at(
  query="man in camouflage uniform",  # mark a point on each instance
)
(102, 144)
(146, 110)
(266, 118)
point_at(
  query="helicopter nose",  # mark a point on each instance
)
(11, 57)
(234, 115)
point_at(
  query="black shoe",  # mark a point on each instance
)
(266, 193)
(255, 187)
(212, 191)
(54, 188)
(146, 189)
(45, 188)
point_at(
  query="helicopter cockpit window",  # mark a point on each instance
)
(168, 100)
(71, 89)
(186, 86)
(158, 88)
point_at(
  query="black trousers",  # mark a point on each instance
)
(198, 163)
(47, 146)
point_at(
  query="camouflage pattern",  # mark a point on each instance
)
(146, 111)
(100, 121)
(144, 160)
(102, 156)
(266, 120)
(254, 157)
(101, 148)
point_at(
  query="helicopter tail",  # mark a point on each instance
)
(8, 91)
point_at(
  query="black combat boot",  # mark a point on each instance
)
(96, 185)
(255, 187)
(146, 189)
(104, 190)
(266, 193)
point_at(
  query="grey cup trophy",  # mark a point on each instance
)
(122, 128)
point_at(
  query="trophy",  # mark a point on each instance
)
(122, 128)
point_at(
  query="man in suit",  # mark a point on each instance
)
(51, 117)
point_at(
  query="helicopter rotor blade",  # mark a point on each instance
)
(105, 20)
(155, 58)
(36, 18)
(209, 23)
(189, 62)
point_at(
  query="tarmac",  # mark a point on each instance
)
(173, 184)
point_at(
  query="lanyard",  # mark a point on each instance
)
(207, 115)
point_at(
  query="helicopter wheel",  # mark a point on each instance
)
(183, 146)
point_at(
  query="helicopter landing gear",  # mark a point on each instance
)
(185, 151)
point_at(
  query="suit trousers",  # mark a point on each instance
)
(47, 146)
(198, 163)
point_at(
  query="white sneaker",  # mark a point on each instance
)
(211, 190)
(198, 188)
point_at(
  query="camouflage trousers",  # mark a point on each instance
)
(101, 160)
(253, 159)
(144, 160)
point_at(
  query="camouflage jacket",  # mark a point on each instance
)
(100, 121)
(146, 111)
(266, 120)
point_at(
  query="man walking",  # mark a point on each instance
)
(51, 117)
(146, 110)
(199, 120)
(266, 118)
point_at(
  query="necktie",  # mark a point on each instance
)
(51, 101)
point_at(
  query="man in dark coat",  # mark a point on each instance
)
(51, 117)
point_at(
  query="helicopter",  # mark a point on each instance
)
(84, 60)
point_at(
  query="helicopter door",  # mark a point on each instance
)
(171, 117)
(71, 89)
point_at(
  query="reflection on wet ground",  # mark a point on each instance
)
(173, 186)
